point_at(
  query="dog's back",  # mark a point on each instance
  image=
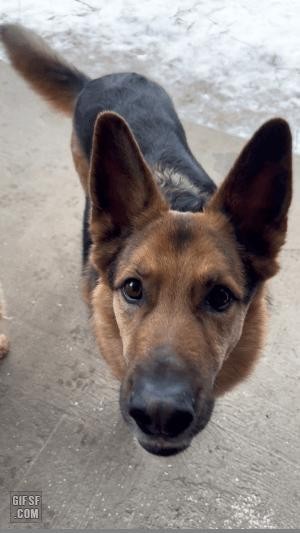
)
(150, 113)
(145, 106)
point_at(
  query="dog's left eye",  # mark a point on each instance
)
(132, 290)
(219, 298)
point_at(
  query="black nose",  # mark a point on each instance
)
(162, 409)
(161, 418)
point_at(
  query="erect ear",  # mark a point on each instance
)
(124, 196)
(256, 195)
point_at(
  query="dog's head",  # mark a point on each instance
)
(179, 309)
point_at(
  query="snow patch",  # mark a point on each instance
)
(230, 65)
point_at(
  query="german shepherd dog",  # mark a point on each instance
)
(174, 269)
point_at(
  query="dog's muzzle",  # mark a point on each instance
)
(163, 403)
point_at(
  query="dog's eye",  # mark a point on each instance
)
(219, 298)
(132, 290)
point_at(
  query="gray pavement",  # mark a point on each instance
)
(60, 427)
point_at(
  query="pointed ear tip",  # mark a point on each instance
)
(6, 28)
(280, 126)
(109, 118)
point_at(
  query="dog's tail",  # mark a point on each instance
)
(52, 77)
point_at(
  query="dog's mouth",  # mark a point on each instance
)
(165, 447)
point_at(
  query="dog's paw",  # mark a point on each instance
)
(4, 346)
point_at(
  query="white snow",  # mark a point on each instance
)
(228, 64)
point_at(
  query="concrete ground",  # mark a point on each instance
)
(60, 427)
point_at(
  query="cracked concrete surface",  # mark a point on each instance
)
(60, 427)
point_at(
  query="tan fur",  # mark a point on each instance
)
(241, 361)
(106, 330)
(125, 338)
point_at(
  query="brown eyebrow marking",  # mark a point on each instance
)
(142, 273)
(216, 279)
(131, 272)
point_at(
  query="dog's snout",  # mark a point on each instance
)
(161, 418)
(165, 402)
(163, 409)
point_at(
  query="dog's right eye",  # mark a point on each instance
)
(219, 298)
(132, 290)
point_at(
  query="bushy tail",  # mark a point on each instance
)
(48, 74)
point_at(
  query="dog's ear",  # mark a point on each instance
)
(256, 195)
(124, 196)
